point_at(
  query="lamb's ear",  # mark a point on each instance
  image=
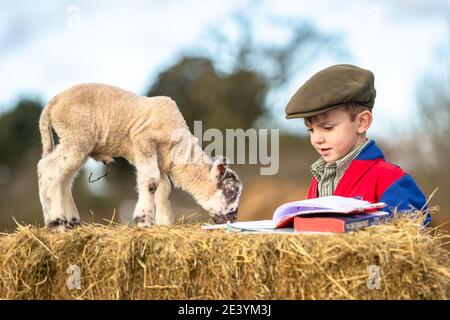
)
(219, 167)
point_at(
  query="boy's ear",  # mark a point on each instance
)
(364, 121)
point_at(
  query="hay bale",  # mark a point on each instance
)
(185, 262)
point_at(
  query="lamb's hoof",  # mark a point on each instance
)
(142, 222)
(74, 223)
(59, 225)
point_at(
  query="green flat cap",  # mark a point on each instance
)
(335, 85)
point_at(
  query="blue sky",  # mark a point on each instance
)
(47, 47)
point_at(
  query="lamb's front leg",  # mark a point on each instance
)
(148, 178)
(164, 215)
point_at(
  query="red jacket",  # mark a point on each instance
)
(371, 178)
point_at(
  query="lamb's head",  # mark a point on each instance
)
(223, 204)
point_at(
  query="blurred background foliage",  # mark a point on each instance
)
(230, 97)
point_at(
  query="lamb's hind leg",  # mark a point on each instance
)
(148, 178)
(164, 215)
(70, 207)
(55, 174)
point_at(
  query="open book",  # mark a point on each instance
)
(285, 214)
(333, 206)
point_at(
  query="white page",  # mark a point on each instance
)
(332, 202)
(258, 224)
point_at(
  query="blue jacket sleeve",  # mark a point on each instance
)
(405, 195)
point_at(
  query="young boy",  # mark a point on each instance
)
(336, 104)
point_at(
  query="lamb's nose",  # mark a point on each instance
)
(232, 215)
(219, 219)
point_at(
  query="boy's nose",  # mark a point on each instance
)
(318, 138)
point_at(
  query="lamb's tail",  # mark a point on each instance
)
(45, 127)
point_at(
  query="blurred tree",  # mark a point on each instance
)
(20, 151)
(425, 151)
(234, 94)
(220, 101)
(432, 130)
(19, 132)
(288, 47)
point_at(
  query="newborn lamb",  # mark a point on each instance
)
(102, 122)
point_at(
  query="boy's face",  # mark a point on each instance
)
(334, 135)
